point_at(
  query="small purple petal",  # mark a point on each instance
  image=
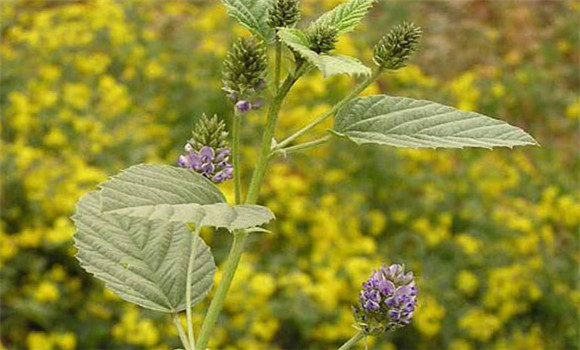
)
(243, 106)
(208, 168)
(183, 162)
(222, 154)
(207, 153)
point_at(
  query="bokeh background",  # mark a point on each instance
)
(91, 87)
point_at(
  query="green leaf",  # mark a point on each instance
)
(346, 16)
(252, 14)
(405, 122)
(328, 64)
(158, 192)
(143, 261)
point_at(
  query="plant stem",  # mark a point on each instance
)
(352, 341)
(236, 155)
(218, 300)
(195, 239)
(363, 85)
(241, 236)
(301, 147)
(261, 167)
(277, 65)
(180, 331)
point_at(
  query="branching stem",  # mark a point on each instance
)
(241, 236)
(271, 122)
(300, 147)
(363, 85)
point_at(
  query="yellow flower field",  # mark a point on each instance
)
(91, 87)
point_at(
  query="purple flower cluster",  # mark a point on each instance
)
(388, 298)
(213, 164)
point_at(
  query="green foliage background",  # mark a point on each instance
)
(91, 87)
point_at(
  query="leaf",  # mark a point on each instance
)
(252, 14)
(158, 192)
(405, 122)
(339, 64)
(143, 261)
(328, 64)
(346, 16)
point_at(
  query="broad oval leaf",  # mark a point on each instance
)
(252, 14)
(405, 122)
(143, 261)
(328, 64)
(159, 192)
(346, 16)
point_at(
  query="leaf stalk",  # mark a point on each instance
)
(352, 341)
(363, 85)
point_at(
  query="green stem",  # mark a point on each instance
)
(352, 341)
(363, 85)
(241, 236)
(301, 147)
(263, 158)
(236, 155)
(218, 300)
(180, 331)
(195, 238)
(278, 65)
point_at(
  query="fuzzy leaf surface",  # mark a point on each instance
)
(328, 64)
(346, 16)
(252, 14)
(143, 261)
(410, 123)
(158, 192)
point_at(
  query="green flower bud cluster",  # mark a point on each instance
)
(322, 38)
(244, 69)
(284, 13)
(395, 48)
(209, 132)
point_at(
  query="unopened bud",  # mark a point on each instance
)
(395, 48)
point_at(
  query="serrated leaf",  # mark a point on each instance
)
(346, 16)
(252, 14)
(328, 64)
(143, 261)
(158, 192)
(405, 122)
(147, 184)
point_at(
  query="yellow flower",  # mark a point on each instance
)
(39, 341)
(465, 91)
(479, 325)
(467, 282)
(64, 341)
(428, 316)
(46, 292)
(460, 344)
(377, 223)
(76, 95)
(469, 244)
(573, 110)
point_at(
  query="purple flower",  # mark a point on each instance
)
(210, 163)
(387, 301)
(243, 106)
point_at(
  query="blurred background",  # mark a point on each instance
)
(91, 87)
